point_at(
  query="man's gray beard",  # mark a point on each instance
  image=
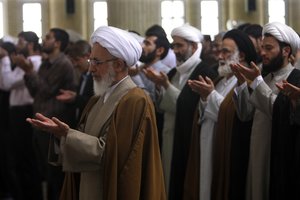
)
(101, 86)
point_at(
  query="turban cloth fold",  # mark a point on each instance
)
(118, 43)
(243, 43)
(283, 33)
(188, 32)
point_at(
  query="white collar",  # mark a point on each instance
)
(189, 63)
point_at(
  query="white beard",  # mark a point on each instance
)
(101, 86)
(224, 66)
(224, 70)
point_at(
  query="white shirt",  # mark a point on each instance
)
(13, 80)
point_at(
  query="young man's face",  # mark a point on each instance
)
(49, 43)
(149, 50)
(271, 53)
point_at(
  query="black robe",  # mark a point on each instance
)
(285, 148)
(186, 105)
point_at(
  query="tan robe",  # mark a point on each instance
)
(128, 166)
(221, 159)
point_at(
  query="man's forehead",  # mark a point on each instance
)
(98, 50)
(178, 39)
(229, 43)
(270, 40)
(150, 40)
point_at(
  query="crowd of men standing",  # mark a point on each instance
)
(131, 117)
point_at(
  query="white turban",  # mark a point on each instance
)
(118, 43)
(188, 32)
(283, 33)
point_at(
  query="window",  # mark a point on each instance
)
(100, 14)
(1, 20)
(32, 18)
(276, 11)
(209, 17)
(172, 13)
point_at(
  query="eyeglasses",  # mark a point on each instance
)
(93, 61)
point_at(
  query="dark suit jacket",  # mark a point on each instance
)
(82, 99)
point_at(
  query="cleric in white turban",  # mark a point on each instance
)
(179, 103)
(188, 32)
(119, 43)
(283, 33)
(274, 142)
(115, 148)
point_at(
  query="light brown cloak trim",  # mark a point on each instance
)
(221, 158)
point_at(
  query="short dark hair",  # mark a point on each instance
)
(62, 36)
(9, 47)
(161, 41)
(79, 48)
(254, 30)
(31, 36)
(157, 29)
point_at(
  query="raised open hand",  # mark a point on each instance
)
(159, 78)
(203, 86)
(66, 96)
(53, 125)
(243, 73)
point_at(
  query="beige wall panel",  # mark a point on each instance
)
(135, 15)
(15, 24)
(294, 14)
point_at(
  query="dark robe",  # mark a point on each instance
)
(231, 153)
(186, 105)
(285, 147)
(6, 173)
(192, 182)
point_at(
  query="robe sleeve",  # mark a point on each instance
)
(263, 99)
(10, 79)
(169, 99)
(214, 101)
(244, 109)
(81, 152)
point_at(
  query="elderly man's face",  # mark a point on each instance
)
(102, 68)
(182, 49)
(229, 54)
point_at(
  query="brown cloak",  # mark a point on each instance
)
(132, 163)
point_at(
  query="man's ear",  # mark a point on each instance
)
(57, 43)
(119, 65)
(286, 51)
(194, 46)
(160, 51)
(242, 57)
